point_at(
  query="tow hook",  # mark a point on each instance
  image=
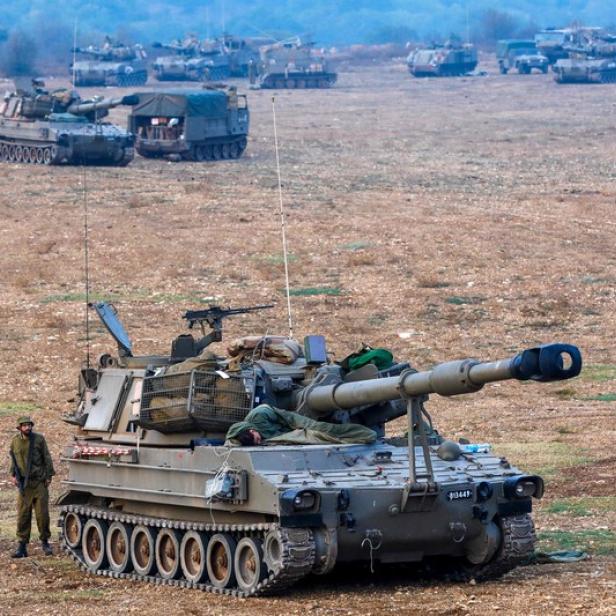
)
(458, 531)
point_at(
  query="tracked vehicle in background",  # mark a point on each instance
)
(291, 64)
(113, 64)
(453, 59)
(198, 125)
(154, 494)
(55, 127)
(185, 63)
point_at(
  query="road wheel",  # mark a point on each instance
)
(234, 150)
(25, 155)
(248, 564)
(12, 153)
(300, 84)
(198, 153)
(216, 152)
(219, 560)
(33, 159)
(4, 153)
(279, 84)
(142, 550)
(118, 547)
(47, 157)
(225, 151)
(71, 529)
(193, 556)
(19, 154)
(168, 553)
(93, 544)
(40, 155)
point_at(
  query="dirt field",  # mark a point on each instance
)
(439, 218)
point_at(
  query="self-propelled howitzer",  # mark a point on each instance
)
(155, 494)
(58, 127)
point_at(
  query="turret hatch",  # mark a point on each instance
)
(109, 317)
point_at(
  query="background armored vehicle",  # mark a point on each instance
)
(43, 127)
(521, 56)
(185, 64)
(450, 60)
(592, 58)
(113, 64)
(153, 493)
(208, 124)
(550, 43)
(292, 64)
(243, 53)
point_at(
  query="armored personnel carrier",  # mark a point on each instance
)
(113, 64)
(520, 55)
(452, 59)
(154, 492)
(57, 127)
(291, 64)
(207, 124)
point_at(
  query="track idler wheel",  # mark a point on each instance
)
(219, 560)
(72, 528)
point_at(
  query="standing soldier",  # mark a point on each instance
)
(31, 472)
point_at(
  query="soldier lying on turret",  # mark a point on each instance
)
(266, 424)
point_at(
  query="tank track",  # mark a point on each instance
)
(28, 153)
(299, 81)
(297, 553)
(518, 546)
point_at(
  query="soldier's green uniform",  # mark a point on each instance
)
(32, 466)
(286, 427)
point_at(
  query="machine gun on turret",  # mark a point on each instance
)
(213, 317)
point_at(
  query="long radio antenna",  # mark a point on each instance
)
(86, 262)
(282, 222)
(74, 50)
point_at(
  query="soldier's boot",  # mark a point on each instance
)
(21, 551)
(47, 549)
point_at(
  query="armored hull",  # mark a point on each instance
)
(573, 70)
(196, 125)
(155, 493)
(176, 68)
(442, 62)
(100, 73)
(295, 79)
(64, 139)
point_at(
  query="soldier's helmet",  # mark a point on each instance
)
(24, 419)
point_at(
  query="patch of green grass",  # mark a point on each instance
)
(277, 259)
(78, 297)
(566, 393)
(356, 245)
(609, 397)
(305, 291)
(596, 541)
(83, 594)
(459, 300)
(20, 408)
(570, 508)
(599, 372)
(543, 458)
(582, 505)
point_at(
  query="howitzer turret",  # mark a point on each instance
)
(93, 109)
(154, 492)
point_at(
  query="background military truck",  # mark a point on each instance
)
(520, 55)
(207, 124)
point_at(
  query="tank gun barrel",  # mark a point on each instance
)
(106, 103)
(546, 363)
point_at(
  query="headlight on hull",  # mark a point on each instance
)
(300, 501)
(523, 486)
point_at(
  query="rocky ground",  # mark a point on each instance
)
(439, 218)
